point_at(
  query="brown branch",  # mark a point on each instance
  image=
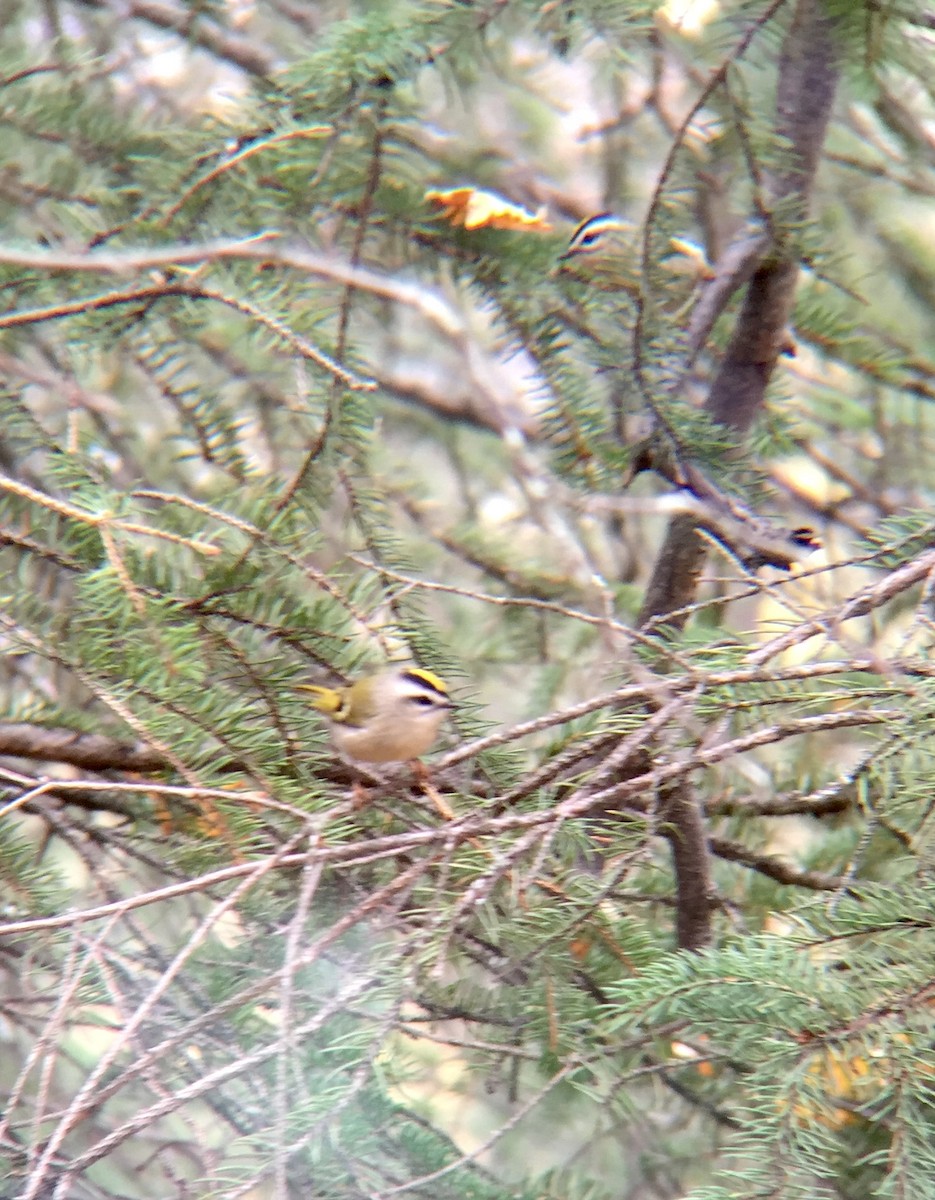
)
(869, 598)
(775, 868)
(456, 399)
(90, 751)
(97, 752)
(121, 262)
(147, 295)
(695, 893)
(365, 208)
(732, 270)
(808, 74)
(195, 28)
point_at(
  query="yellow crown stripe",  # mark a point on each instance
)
(428, 678)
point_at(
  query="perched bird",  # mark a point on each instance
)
(393, 716)
(604, 251)
(755, 541)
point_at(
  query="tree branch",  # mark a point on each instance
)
(90, 751)
(195, 28)
(808, 74)
(775, 868)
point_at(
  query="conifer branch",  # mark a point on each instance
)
(123, 262)
(808, 76)
(240, 155)
(103, 521)
(97, 752)
(774, 868)
(198, 513)
(146, 295)
(199, 29)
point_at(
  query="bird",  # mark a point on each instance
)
(391, 716)
(604, 251)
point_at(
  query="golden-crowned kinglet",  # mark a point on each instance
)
(390, 717)
(604, 250)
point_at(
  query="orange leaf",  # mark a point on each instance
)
(476, 209)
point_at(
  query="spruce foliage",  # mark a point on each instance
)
(659, 923)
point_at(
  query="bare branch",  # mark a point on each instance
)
(196, 27)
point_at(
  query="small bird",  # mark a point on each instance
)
(604, 251)
(393, 716)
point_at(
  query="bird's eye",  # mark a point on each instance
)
(589, 239)
(422, 701)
